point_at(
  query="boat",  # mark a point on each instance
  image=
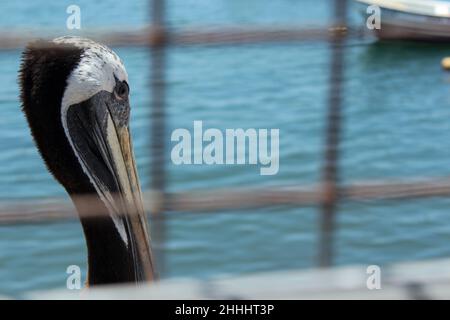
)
(425, 20)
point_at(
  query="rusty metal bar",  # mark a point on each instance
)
(239, 35)
(151, 36)
(58, 209)
(158, 91)
(330, 174)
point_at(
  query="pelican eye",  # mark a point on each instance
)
(122, 90)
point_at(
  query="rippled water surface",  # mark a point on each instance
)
(396, 125)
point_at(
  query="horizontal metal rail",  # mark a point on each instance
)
(152, 36)
(56, 209)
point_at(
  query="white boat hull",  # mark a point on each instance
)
(407, 24)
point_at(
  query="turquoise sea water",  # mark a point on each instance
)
(396, 125)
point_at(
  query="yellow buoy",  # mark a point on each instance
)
(446, 63)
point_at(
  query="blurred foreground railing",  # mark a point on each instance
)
(56, 209)
(159, 202)
(151, 36)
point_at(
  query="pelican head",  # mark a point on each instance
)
(75, 97)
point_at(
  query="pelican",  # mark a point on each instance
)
(75, 97)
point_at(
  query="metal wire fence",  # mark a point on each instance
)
(160, 203)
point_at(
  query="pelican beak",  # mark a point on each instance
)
(99, 133)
